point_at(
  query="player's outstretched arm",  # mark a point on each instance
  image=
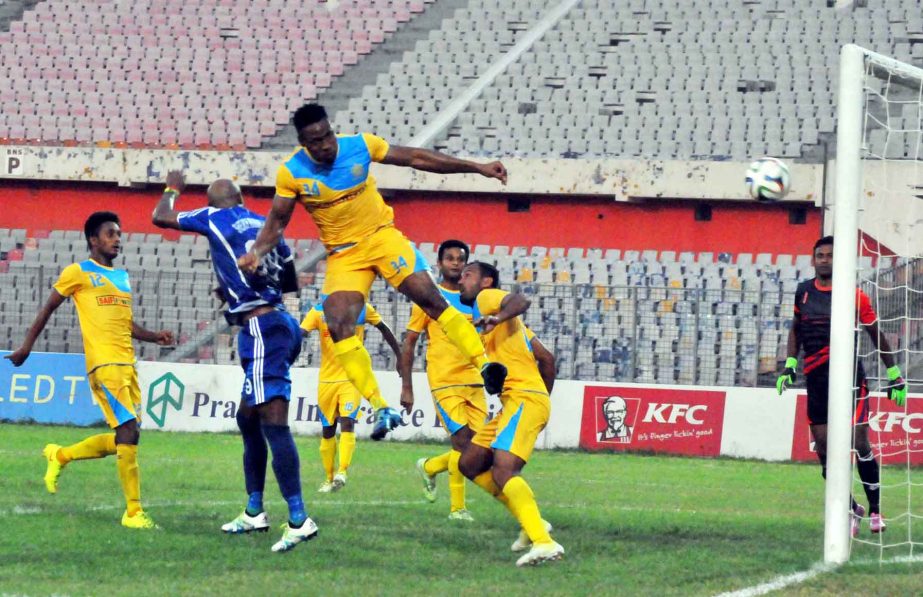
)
(546, 365)
(270, 234)
(406, 368)
(162, 337)
(19, 356)
(164, 215)
(434, 161)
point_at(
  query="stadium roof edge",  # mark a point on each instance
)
(621, 179)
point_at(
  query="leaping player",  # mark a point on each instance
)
(329, 175)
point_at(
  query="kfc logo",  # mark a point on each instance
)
(662, 420)
(615, 423)
(886, 422)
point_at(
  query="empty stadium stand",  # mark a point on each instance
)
(645, 316)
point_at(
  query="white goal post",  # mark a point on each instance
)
(855, 65)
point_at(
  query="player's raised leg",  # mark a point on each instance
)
(420, 288)
(95, 446)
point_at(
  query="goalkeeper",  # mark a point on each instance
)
(811, 332)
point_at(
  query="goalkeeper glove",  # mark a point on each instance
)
(788, 375)
(897, 391)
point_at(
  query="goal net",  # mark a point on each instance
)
(878, 225)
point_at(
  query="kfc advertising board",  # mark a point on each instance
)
(893, 430)
(669, 421)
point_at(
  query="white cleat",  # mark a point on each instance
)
(339, 481)
(541, 553)
(523, 542)
(247, 524)
(429, 482)
(326, 487)
(855, 520)
(293, 536)
(461, 515)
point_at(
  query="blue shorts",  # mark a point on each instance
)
(268, 346)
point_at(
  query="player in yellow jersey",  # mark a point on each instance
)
(500, 450)
(102, 296)
(329, 175)
(337, 398)
(454, 382)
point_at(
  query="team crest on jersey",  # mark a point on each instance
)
(311, 189)
(358, 171)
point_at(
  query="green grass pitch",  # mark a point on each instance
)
(630, 524)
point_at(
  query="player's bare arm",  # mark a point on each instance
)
(513, 305)
(388, 335)
(161, 337)
(270, 234)
(434, 161)
(880, 342)
(19, 356)
(545, 361)
(164, 215)
(406, 369)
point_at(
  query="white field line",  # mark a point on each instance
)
(781, 582)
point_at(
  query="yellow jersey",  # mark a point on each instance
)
(102, 296)
(342, 198)
(445, 364)
(509, 343)
(330, 368)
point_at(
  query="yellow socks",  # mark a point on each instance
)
(347, 449)
(486, 482)
(523, 505)
(463, 335)
(95, 446)
(456, 483)
(328, 453)
(357, 363)
(437, 464)
(127, 461)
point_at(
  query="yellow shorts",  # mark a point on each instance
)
(461, 406)
(516, 427)
(116, 391)
(337, 399)
(387, 253)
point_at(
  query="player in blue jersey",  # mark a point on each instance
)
(269, 341)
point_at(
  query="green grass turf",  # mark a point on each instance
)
(630, 524)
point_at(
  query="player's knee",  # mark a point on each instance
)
(328, 432)
(347, 425)
(502, 475)
(469, 465)
(247, 422)
(128, 433)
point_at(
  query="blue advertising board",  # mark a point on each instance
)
(47, 388)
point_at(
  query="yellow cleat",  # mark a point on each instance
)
(139, 521)
(54, 467)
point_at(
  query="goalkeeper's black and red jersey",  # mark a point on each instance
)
(812, 315)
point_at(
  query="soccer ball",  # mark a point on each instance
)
(768, 179)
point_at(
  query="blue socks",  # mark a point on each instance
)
(255, 457)
(287, 467)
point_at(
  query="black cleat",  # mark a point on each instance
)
(493, 374)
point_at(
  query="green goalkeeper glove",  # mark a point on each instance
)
(788, 375)
(897, 391)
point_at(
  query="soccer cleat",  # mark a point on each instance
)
(54, 467)
(540, 553)
(386, 419)
(493, 374)
(326, 487)
(877, 523)
(139, 521)
(523, 542)
(339, 481)
(461, 515)
(429, 482)
(855, 520)
(247, 524)
(293, 536)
